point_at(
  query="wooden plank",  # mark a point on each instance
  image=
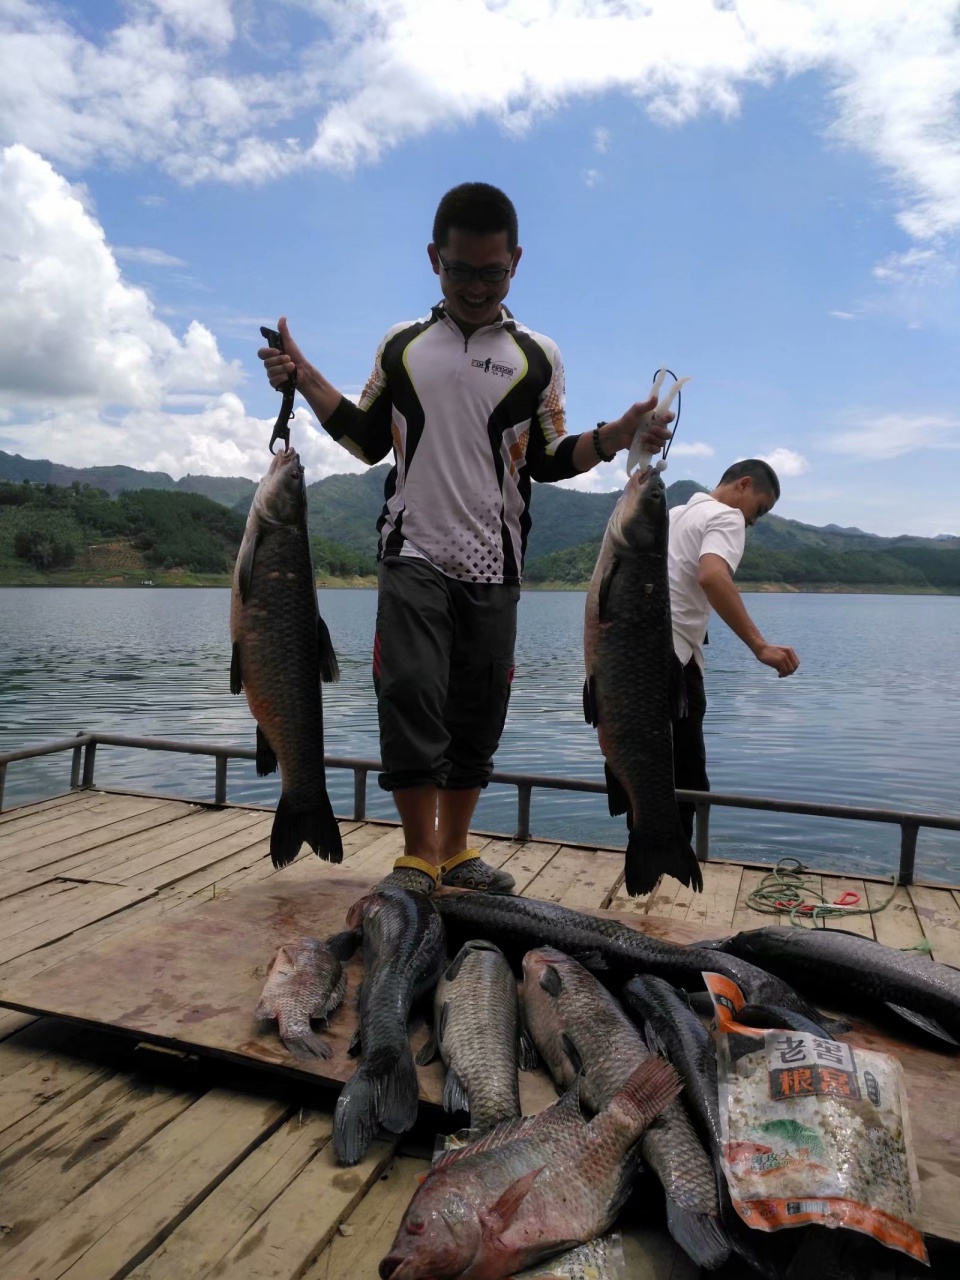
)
(593, 885)
(92, 902)
(11, 1023)
(45, 1086)
(33, 904)
(835, 887)
(558, 875)
(897, 925)
(132, 1208)
(523, 861)
(32, 819)
(651, 1254)
(371, 1227)
(939, 916)
(225, 1216)
(102, 811)
(164, 864)
(714, 908)
(16, 813)
(64, 852)
(376, 858)
(149, 846)
(744, 916)
(23, 1048)
(64, 1156)
(300, 1223)
(14, 882)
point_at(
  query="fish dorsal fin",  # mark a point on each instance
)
(504, 1132)
(551, 981)
(572, 1052)
(248, 553)
(502, 1212)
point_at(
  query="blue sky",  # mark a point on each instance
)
(766, 196)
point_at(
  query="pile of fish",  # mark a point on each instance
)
(608, 1011)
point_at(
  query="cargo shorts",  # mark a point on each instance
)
(442, 670)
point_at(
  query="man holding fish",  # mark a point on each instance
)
(471, 402)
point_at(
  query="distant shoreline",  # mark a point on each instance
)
(80, 579)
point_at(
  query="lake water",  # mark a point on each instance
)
(872, 717)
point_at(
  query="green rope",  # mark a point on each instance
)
(786, 890)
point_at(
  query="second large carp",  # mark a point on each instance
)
(634, 683)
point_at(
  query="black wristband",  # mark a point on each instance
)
(596, 444)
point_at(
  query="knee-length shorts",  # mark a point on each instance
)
(442, 670)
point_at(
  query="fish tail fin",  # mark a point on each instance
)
(700, 1235)
(401, 1094)
(651, 1087)
(303, 1042)
(295, 825)
(355, 1116)
(650, 856)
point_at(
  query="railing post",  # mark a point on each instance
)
(908, 851)
(359, 794)
(3, 783)
(75, 766)
(220, 785)
(524, 792)
(703, 830)
(89, 764)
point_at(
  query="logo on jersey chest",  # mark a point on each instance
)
(492, 366)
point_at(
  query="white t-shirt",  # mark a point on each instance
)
(703, 527)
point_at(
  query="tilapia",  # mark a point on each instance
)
(281, 653)
(580, 1030)
(634, 683)
(403, 954)
(478, 1035)
(858, 973)
(612, 951)
(306, 980)
(530, 1188)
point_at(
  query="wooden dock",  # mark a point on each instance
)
(119, 1160)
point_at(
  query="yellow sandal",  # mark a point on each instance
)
(468, 871)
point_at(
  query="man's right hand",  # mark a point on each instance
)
(779, 656)
(280, 364)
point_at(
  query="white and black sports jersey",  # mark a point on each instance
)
(472, 421)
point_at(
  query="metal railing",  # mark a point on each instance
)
(84, 749)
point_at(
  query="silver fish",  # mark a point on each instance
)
(305, 982)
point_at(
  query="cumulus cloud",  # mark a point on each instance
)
(891, 435)
(319, 82)
(786, 462)
(601, 140)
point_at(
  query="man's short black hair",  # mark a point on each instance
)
(475, 207)
(761, 473)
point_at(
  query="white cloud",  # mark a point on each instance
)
(75, 330)
(691, 449)
(891, 435)
(591, 177)
(170, 85)
(601, 140)
(912, 265)
(152, 257)
(843, 315)
(786, 462)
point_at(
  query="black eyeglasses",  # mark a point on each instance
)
(462, 274)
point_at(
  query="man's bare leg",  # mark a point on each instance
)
(456, 813)
(417, 807)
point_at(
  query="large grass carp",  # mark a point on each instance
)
(403, 953)
(612, 951)
(281, 653)
(634, 683)
(850, 972)
(530, 1188)
(580, 1030)
(477, 1034)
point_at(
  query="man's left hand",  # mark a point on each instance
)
(619, 435)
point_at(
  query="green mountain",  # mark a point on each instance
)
(343, 512)
(226, 490)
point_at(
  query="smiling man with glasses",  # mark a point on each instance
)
(471, 403)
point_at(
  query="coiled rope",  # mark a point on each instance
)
(787, 891)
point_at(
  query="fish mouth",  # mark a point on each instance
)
(390, 1265)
